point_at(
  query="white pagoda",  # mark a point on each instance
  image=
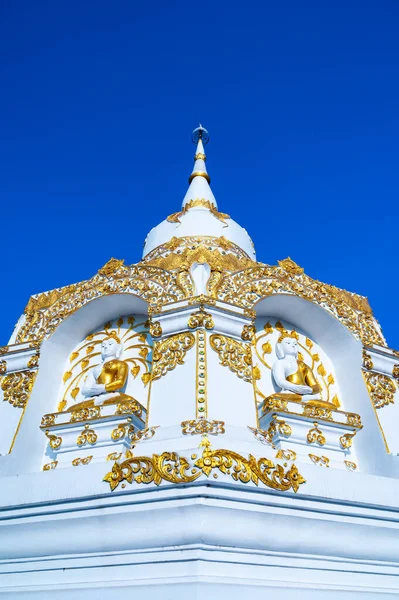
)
(199, 424)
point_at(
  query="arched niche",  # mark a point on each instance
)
(30, 442)
(345, 352)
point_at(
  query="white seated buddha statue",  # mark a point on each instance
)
(294, 376)
(104, 382)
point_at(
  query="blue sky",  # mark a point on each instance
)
(98, 102)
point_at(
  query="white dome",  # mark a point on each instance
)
(199, 221)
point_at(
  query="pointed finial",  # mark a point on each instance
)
(200, 133)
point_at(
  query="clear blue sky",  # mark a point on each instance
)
(98, 100)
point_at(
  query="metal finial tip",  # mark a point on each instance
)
(200, 133)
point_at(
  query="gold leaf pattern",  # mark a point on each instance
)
(73, 356)
(67, 375)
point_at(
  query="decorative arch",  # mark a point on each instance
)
(45, 312)
(248, 287)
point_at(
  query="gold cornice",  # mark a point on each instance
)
(175, 217)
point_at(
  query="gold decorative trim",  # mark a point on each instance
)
(114, 456)
(395, 372)
(286, 454)
(367, 362)
(169, 353)
(248, 332)
(263, 436)
(171, 467)
(77, 462)
(144, 434)
(3, 367)
(202, 426)
(122, 431)
(50, 466)
(155, 329)
(175, 218)
(54, 440)
(234, 355)
(315, 435)
(200, 156)
(201, 319)
(248, 287)
(322, 461)
(201, 376)
(17, 387)
(279, 426)
(381, 389)
(346, 440)
(203, 174)
(34, 361)
(88, 436)
(351, 466)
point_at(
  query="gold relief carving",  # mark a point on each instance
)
(143, 434)
(202, 299)
(50, 466)
(322, 461)
(354, 420)
(395, 371)
(234, 355)
(171, 467)
(88, 436)
(17, 387)
(202, 426)
(180, 254)
(170, 352)
(286, 454)
(85, 414)
(3, 367)
(155, 329)
(381, 389)
(248, 332)
(46, 311)
(111, 267)
(266, 437)
(200, 156)
(81, 461)
(316, 412)
(201, 376)
(48, 420)
(249, 286)
(129, 407)
(114, 456)
(200, 319)
(346, 440)
(315, 436)
(33, 361)
(3, 349)
(175, 218)
(274, 403)
(350, 465)
(122, 431)
(290, 266)
(54, 440)
(367, 362)
(278, 425)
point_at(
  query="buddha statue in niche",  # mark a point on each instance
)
(104, 382)
(294, 376)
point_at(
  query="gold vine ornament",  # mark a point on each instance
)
(171, 467)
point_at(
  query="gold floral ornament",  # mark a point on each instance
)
(17, 387)
(395, 372)
(3, 367)
(346, 440)
(249, 286)
(169, 353)
(322, 461)
(175, 218)
(234, 355)
(248, 332)
(88, 436)
(155, 329)
(202, 426)
(171, 467)
(111, 267)
(290, 266)
(367, 362)
(381, 389)
(201, 319)
(315, 436)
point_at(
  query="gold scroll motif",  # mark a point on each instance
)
(202, 426)
(381, 388)
(175, 218)
(234, 355)
(171, 467)
(322, 461)
(17, 387)
(351, 466)
(315, 436)
(50, 466)
(246, 288)
(201, 376)
(143, 434)
(286, 454)
(367, 362)
(170, 352)
(155, 329)
(201, 318)
(77, 462)
(263, 436)
(395, 372)
(88, 436)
